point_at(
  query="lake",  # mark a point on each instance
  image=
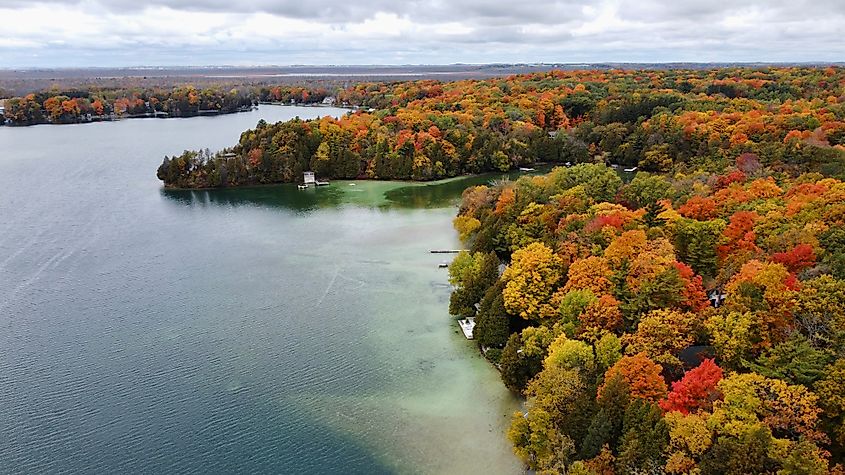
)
(259, 330)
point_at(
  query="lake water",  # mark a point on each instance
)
(262, 330)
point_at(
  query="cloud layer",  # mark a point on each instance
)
(54, 33)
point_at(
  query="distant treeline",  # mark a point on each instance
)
(90, 104)
(792, 118)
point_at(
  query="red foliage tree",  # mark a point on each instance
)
(696, 390)
(735, 176)
(254, 156)
(699, 208)
(740, 234)
(602, 221)
(695, 299)
(799, 258)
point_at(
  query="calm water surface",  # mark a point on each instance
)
(262, 330)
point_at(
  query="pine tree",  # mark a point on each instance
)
(652, 212)
(645, 437)
(606, 426)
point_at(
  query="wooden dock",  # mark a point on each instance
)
(446, 251)
(467, 326)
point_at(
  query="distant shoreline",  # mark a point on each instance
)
(113, 118)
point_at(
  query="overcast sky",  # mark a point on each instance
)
(67, 33)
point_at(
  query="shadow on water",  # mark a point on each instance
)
(371, 194)
(271, 196)
(440, 194)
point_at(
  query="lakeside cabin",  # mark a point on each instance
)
(717, 297)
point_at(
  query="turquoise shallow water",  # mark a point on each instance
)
(261, 330)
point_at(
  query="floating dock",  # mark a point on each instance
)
(467, 326)
(309, 179)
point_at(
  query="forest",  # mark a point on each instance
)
(656, 120)
(687, 321)
(85, 104)
(679, 323)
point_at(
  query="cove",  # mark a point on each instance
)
(255, 330)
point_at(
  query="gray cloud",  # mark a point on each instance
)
(341, 11)
(127, 32)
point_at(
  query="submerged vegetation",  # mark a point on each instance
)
(793, 119)
(602, 320)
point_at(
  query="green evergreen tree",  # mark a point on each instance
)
(518, 369)
(748, 454)
(794, 360)
(652, 212)
(696, 243)
(644, 440)
(606, 425)
(492, 324)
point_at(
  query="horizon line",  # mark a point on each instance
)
(418, 65)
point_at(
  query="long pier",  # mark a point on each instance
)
(446, 251)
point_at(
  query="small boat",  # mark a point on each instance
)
(321, 183)
(526, 169)
(302, 187)
(443, 265)
(467, 326)
(632, 169)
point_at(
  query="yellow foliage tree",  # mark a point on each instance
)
(531, 280)
(661, 334)
(689, 439)
(466, 225)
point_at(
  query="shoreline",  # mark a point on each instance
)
(542, 168)
(129, 117)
